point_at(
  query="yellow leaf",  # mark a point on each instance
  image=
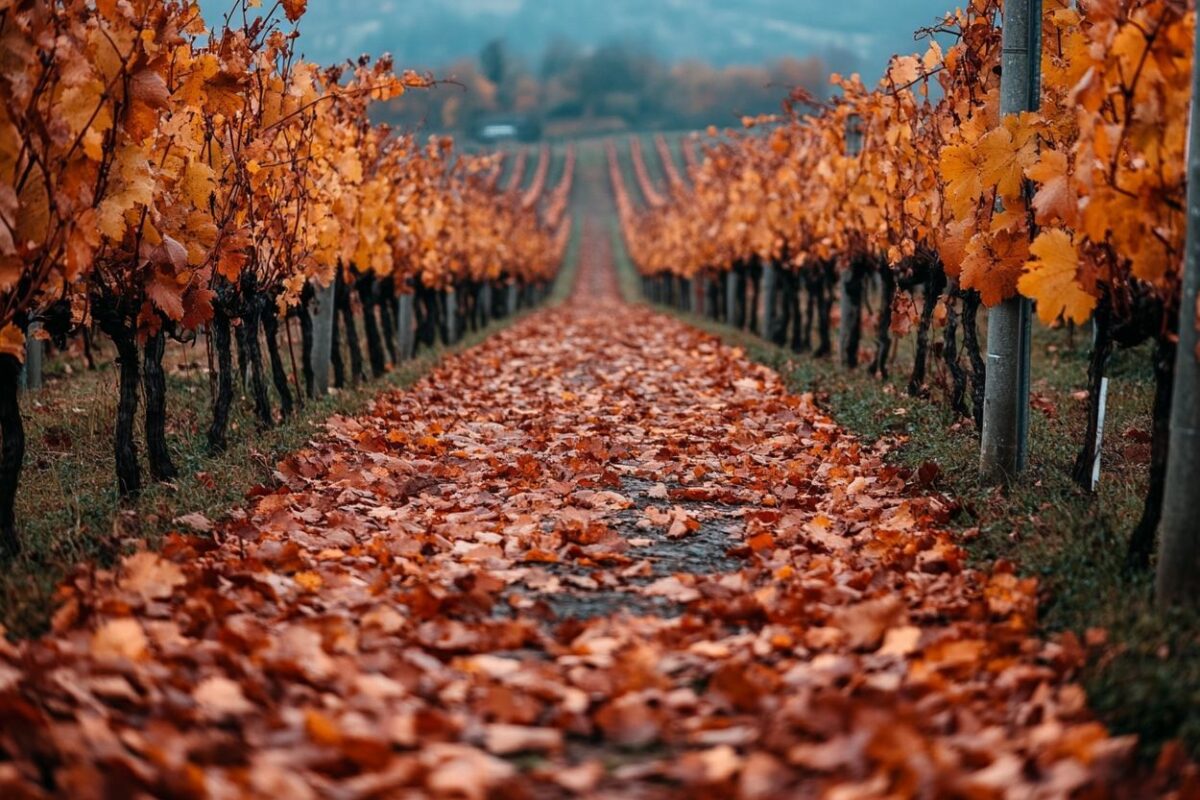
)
(1051, 279)
(198, 183)
(961, 174)
(1006, 152)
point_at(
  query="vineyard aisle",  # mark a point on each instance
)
(600, 554)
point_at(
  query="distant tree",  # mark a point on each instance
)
(562, 59)
(493, 60)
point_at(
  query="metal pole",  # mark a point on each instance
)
(323, 299)
(1178, 579)
(1006, 389)
(35, 351)
(730, 298)
(770, 274)
(485, 300)
(452, 316)
(405, 332)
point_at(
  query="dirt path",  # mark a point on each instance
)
(601, 554)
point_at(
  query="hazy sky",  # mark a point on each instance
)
(429, 33)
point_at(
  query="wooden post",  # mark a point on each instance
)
(1178, 579)
(322, 314)
(1004, 439)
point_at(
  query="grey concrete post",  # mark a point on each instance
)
(846, 310)
(511, 298)
(485, 299)
(769, 281)
(730, 298)
(452, 314)
(322, 313)
(1006, 389)
(1178, 579)
(405, 322)
(35, 351)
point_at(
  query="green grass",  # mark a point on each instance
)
(1146, 679)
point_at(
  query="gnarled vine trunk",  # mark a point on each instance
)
(367, 295)
(958, 376)
(974, 354)
(279, 376)
(307, 340)
(754, 278)
(826, 278)
(850, 334)
(345, 309)
(1141, 540)
(935, 284)
(116, 322)
(387, 317)
(222, 346)
(252, 308)
(12, 453)
(443, 316)
(154, 385)
(883, 334)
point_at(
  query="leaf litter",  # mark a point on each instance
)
(601, 554)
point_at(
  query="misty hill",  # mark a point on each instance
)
(847, 35)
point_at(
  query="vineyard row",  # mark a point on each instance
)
(922, 189)
(164, 178)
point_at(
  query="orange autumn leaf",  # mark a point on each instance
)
(1050, 279)
(1006, 152)
(12, 342)
(993, 264)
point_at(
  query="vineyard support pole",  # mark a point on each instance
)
(1006, 389)
(451, 316)
(485, 302)
(405, 331)
(702, 291)
(1179, 556)
(511, 296)
(848, 306)
(769, 288)
(323, 297)
(35, 351)
(730, 298)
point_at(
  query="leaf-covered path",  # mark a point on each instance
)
(600, 554)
